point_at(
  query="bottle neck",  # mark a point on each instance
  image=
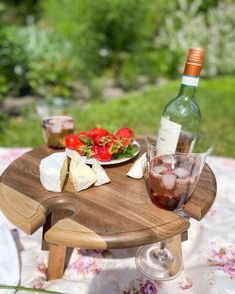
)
(188, 86)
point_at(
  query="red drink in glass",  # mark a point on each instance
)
(172, 179)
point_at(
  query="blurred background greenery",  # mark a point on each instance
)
(81, 55)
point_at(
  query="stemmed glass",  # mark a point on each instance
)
(170, 181)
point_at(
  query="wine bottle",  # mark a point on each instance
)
(181, 117)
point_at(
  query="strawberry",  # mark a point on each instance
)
(82, 133)
(98, 131)
(125, 133)
(99, 136)
(114, 144)
(71, 141)
(125, 142)
(94, 151)
(81, 147)
(126, 137)
(103, 154)
(100, 140)
(112, 138)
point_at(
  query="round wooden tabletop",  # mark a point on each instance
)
(116, 215)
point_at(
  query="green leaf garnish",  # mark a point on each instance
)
(129, 151)
(87, 140)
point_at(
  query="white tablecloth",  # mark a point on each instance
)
(209, 254)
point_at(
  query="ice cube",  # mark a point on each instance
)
(182, 186)
(181, 172)
(168, 181)
(182, 181)
(156, 170)
(168, 160)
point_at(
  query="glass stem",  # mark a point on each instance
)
(161, 254)
(162, 245)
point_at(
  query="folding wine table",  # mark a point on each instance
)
(116, 215)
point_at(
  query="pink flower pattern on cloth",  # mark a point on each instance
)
(209, 254)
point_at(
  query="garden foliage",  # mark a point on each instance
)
(51, 64)
(190, 26)
(12, 62)
(72, 42)
(111, 34)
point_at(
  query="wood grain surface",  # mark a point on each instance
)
(116, 215)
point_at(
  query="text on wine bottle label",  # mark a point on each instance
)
(168, 136)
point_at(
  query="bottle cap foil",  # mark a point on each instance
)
(194, 62)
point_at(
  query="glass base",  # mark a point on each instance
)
(158, 264)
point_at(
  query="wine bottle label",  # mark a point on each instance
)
(190, 81)
(168, 136)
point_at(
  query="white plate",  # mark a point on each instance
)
(69, 152)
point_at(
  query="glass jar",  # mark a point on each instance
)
(55, 129)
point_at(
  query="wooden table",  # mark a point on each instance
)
(116, 215)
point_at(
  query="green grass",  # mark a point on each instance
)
(141, 111)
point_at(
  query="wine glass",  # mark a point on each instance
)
(170, 181)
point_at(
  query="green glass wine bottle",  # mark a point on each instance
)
(181, 117)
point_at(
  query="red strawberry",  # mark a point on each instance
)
(112, 138)
(81, 147)
(125, 133)
(82, 133)
(103, 154)
(95, 151)
(126, 137)
(98, 131)
(71, 141)
(125, 142)
(114, 144)
(98, 136)
(100, 140)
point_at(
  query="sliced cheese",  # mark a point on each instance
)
(102, 177)
(53, 170)
(138, 168)
(81, 175)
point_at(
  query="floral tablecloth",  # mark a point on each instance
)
(209, 254)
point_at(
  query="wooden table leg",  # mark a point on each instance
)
(56, 261)
(184, 236)
(46, 227)
(51, 219)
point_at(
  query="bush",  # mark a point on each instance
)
(221, 43)
(21, 11)
(139, 67)
(13, 66)
(52, 66)
(190, 26)
(13, 63)
(110, 34)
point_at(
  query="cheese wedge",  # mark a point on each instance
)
(81, 175)
(138, 168)
(53, 170)
(102, 177)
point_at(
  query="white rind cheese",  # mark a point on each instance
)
(53, 170)
(138, 168)
(102, 177)
(81, 175)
